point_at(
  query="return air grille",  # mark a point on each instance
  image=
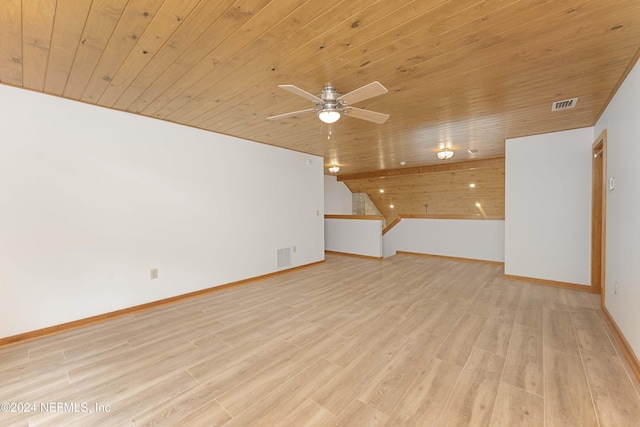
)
(284, 257)
(565, 104)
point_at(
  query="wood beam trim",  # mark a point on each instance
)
(545, 282)
(391, 225)
(626, 348)
(454, 216)
(452, 258)
(495, 162)
(369, 217)
(375, 258)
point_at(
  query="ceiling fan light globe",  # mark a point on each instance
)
(329, 116)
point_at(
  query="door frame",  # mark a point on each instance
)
(599, 215)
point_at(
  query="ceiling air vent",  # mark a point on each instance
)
(565, 104)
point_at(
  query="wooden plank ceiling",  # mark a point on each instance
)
(462, 73)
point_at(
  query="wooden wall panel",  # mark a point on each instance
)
(446, 193)
(132, 24)
(140, 70)
(11, 42)
(37, 21)
(101, 23)
(70, 19)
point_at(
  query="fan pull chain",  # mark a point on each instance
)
(329, 134)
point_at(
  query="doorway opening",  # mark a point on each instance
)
(598, 215)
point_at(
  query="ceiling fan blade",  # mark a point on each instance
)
(365, 92)
(371, 116)
(293, 113)
(303, 93)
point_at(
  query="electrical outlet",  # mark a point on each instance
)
(616, 288)
(293, 249)
(154, 273)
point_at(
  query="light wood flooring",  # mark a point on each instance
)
(351, 342)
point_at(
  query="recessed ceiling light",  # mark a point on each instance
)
(472, 185)
(381, 190)
(391, 206)
(478, 205)
(403, 163)
(472, 150)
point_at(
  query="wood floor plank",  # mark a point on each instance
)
(459, 343)
(416, 317)
(554, 298)
(578, 299)
(348, 352)
(276, 406)
(529, 311)
(567, 399)
(516, 407)
(613, 397)
(359, 414)
(209, 415)
(241, 396)
(113, 366)
(496, 333)
(473, 397)
(189, 412)
(154, 396)
(558, 331)
(484, 302)
(389, 385)
(524, 367)
(309, 414)
(338, 392)
(440, 321)
(590, 331)
(426, 398)
(509, 296)
(225, 370)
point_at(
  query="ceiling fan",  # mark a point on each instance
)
(330, 106)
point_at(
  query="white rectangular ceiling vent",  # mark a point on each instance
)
(565, 104)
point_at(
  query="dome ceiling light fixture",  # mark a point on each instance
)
(329, 115)
(445, 153)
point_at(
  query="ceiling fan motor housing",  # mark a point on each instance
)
(329, 97)
(329, 93)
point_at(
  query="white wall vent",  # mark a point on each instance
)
(565, 104)
(284, 257)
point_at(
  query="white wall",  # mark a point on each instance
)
(621, 120)
(354, 236)
(337, 197)
(91, 199)
(460, 238)
(548, 206)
